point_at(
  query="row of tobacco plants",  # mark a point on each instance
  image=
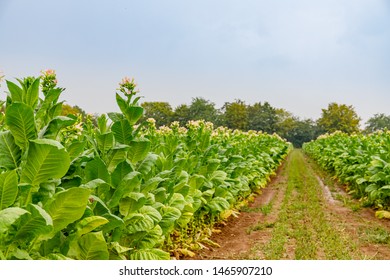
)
(117, 188)
(361, 162)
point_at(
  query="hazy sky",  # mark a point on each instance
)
(296, 54)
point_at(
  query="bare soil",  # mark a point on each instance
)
(245, 236)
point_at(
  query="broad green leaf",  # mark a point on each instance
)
(19, 254)
(147, 164)
(15, 91)
(104, 190)
(380, 176)
(38, 222)
(102, 124)
(151, 184)
(123, 131)
(119, 249)
(97, 169)
(54, 127)
(181, 186)
(130, 183)
(196, 181)
(89, 224)
(42, 113)
(19, 118)
(218, 176)
(55, 111)
(185, 218)
(169, 217)
(160, 194)
(121, 103)
(136, 222)
(212, 165)
(94, 184)
(32, 94)
(93, 246)
(361, 180)
(118, 252)
(75, 149)
(177, 201)
(150, 239)
(151, 212)
(67, 206)
(138, 150)
(113, 222)
(116, 116)
(217, 205)
(10, 153)
(121, 170)
(116, 156)
(131, 203)
(133, 114)
(8, 188)
(9, 216)
(105, 141)
(46, 159)
(149, 254)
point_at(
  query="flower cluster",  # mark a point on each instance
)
(128, 86)
(151, 121)
(164, 130)
(49, 80)
(175, 125)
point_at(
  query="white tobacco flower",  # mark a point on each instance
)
(164, 130)
(175, 124)
(151, 120)
(183, 130)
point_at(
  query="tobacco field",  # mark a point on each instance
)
(115, 187)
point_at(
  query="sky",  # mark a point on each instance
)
(299, 55)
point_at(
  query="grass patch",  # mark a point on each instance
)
(348, 202)
(302, 223)
(265, 209)
(376, 235)
(260, 226)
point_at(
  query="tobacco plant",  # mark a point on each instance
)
(362, 162)
(120, 189)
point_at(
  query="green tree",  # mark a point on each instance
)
(235, 115)
(182, 114)
(295, 130)
(303, 131)
(160, 111)
(377, 122)
(202, 109)
(285, 123)
(262, 117)
(339, 117)
(73, 110)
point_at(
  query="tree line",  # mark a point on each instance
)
(264, 117)
(261, 117)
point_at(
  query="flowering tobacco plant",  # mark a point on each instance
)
(121, 189)
(49, 80)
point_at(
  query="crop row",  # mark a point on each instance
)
(73, 188)
(362, 162)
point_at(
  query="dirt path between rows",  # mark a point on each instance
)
(271, 220)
